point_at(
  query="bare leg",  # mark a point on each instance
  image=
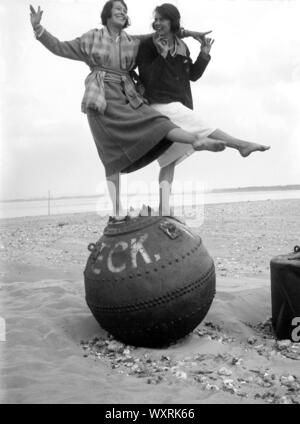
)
(178, 135)
(244, 147)
(166, 177)
(113, 184)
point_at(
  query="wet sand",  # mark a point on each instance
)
(55, 352)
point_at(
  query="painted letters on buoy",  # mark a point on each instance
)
(136, 247)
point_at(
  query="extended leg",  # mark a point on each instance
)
(244, 147)
(178, 135)
(114, 187)
(166, 177)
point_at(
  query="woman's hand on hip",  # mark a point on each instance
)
(35, 16)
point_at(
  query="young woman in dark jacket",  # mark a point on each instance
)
(166, 69)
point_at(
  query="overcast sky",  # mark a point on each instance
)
(250, 89)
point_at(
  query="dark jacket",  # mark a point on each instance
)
(168, 80)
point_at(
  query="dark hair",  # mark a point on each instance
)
(170, 12)
(106, 12)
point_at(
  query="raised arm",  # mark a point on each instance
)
(141, 37)
(197, 68)
(68, 49)
(182, 33)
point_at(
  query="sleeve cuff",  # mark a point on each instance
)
(205, 56)
(38, 31)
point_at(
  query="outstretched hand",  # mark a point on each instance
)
(35, 16)
(206, 45)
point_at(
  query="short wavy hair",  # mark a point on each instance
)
(171, 13)
(106, 12)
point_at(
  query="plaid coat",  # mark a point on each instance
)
(95, 49)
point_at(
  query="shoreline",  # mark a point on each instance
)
(182, 201)
(187, 207)
(214, 190)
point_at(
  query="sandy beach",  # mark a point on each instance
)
(55, 351)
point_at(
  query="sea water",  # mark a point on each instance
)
(101, 204)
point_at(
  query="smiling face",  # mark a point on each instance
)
(161, 25)
(118, 15)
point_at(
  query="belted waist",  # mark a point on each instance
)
(111, 74)
(94, 97)
(109, 71)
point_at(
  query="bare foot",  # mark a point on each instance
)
(212, 146)
(252, 147)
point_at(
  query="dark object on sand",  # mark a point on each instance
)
(285, 293)
(149, 281)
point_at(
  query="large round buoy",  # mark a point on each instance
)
(149, 280)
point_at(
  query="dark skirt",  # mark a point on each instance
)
(128, 139)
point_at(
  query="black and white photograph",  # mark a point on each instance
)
(150, 204)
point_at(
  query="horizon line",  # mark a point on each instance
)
(215, 190)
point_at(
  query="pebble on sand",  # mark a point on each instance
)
(251, 340)
(283, 344)
(224, 371)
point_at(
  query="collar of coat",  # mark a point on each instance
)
(123, 35)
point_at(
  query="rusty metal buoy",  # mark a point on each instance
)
(149, 281)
